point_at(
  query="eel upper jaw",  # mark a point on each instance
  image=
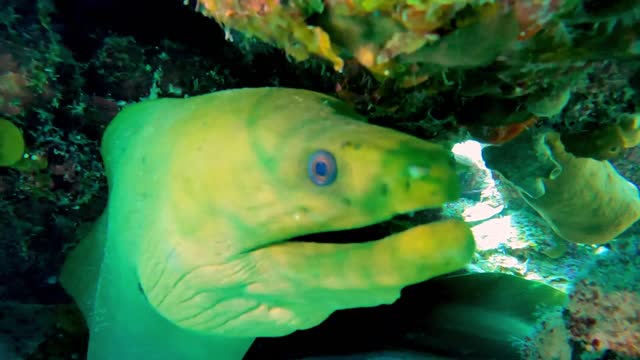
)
(374, 231)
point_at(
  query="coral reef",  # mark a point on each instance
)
(41, 332)
(543, 56)
(601, 320)
(433, 69)
(604, 307)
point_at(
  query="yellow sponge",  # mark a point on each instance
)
(583, 200)
(11, 143)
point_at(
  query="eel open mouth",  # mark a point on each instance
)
(375, 231)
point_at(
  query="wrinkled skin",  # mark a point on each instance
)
(191, 260)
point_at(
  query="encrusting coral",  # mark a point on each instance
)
(606, 142)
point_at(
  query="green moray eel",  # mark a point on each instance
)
(190, 259)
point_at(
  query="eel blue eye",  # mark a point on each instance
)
(322, 168)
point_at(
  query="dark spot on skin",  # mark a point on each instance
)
(141, 290)
(384, 189)
(407, 185)
(346, 201)
(349, 144)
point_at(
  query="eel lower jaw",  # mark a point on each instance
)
(377, 231)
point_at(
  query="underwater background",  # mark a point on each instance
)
(537, 100)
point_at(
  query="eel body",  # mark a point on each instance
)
(192, 259)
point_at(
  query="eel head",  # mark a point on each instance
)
(212, 197)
